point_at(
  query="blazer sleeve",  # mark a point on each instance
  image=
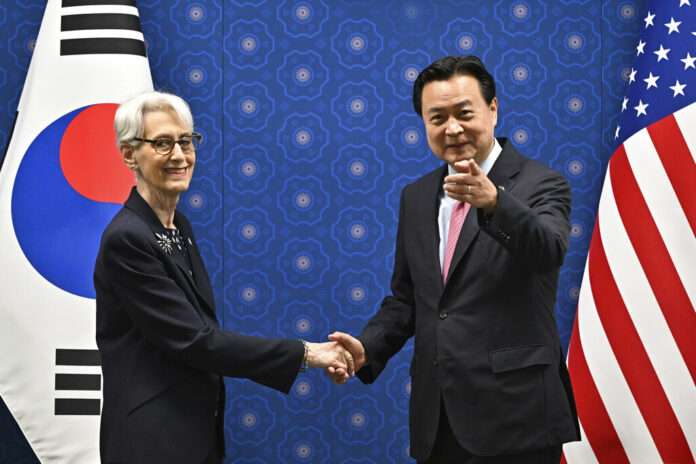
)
(537, 230)
(160, 310)
(388, 330)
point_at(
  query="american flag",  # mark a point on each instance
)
(632, 355)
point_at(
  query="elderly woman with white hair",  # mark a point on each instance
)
(163, 352)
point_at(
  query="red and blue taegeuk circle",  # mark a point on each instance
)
(69, 185)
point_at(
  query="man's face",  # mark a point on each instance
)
(458, 121)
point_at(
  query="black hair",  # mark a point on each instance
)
(449, 66)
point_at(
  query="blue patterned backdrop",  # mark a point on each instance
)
(309, 137)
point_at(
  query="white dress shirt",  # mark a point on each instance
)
(447, 203)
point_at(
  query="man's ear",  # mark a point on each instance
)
(494, 110)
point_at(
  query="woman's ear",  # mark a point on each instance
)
(128, 155)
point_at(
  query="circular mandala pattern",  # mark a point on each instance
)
(358, 419)
(411, 137)
(575, 167)
(195, 13)
(303, 388)
(248, 231)
(302, 137)
(411, 11)
(466, 42)
(303, 325)
(303, 263)
(249, 169)
(196, 76)
(303, 200)
(248, 294)
(577, 230)
(627, 12)
(624, 74)
(575, 104)
(30, 45)
(302, 12)
(196, 201)
(407, 387)
(357, 106)
(357, 231)
(520, 11)
(357, 168)
(249, 106)
(357, 294)
(409, 74)
(521, 136)
(249, 420)
(574, 292)
(521, 74)
(357, 43)
(302, 75)
(248, 44)
(303, 451)
(575, 42)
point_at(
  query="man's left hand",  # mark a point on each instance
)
(471, 185)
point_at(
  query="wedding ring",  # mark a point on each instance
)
(468, 190)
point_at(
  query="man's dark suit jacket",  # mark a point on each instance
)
(486, 341)
(161, 347)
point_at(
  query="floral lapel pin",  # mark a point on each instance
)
(165, 242)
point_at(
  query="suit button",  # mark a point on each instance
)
(443, 313)
(191, 273)
(435, 362)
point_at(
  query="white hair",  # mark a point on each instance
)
(129, 121)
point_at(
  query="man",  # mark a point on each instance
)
(478, 251)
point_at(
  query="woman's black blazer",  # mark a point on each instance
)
(162, 349)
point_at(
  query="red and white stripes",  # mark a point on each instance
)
(632, 354)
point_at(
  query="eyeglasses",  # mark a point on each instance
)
(165, 145)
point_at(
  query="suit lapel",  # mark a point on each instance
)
(431, 230)
(202, 290)
(502, 175)
(200, 281)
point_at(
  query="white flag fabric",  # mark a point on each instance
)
(632, 354)
(61, 182)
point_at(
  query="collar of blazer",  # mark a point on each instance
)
(506, 167)
(502, 174)
(201, 284)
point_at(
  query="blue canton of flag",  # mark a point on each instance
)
(663, 76)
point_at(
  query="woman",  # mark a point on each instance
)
(161, 347)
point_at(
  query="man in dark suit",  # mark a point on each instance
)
(478, 251)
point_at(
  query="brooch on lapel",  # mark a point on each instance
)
(165, 242)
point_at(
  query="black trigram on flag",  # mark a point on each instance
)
(78, 383)
(90, 27)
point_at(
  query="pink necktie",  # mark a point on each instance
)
(455, 226)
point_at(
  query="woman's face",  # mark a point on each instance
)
(167, 175)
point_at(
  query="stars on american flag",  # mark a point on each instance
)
(663, 72)
(649, 20)
(662, 53)
(640, 109)
(673, 26)
(652, 81)
(640, 47)
(678, 88)
(688, 61)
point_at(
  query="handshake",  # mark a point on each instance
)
(340, 358)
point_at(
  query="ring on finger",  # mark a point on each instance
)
(468, 189)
